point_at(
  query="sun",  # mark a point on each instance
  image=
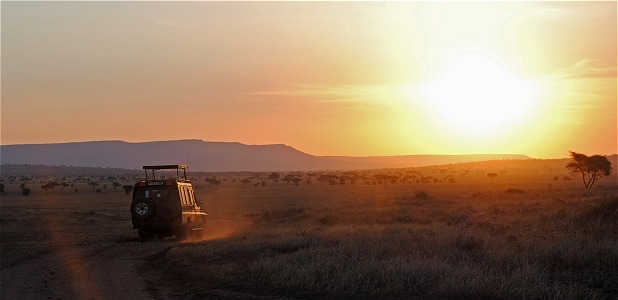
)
(478, 93)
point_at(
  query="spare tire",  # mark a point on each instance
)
(142, 209)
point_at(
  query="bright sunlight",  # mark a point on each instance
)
(478, 93)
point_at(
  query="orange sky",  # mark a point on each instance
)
(328, 78)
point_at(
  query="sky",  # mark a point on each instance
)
(327, 78)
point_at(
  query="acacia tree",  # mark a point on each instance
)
(46, 188)
(93, 184)
(49, 186)
(288, 178)
(591, 167)
(127, 189)
(492, 176)
(274, 176)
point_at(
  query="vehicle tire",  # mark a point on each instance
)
(142, 209)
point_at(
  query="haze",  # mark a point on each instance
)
(328, 78)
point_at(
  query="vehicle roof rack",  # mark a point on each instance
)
(167, 167)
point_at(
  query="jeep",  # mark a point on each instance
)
(166, 206)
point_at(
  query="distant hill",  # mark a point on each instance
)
(213, 156)
(64, 171)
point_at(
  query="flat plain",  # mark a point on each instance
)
(532, 231)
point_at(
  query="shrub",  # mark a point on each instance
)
(127, 189)
(423, 195)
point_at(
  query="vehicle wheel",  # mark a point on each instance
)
(142, 209)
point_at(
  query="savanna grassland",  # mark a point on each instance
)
(530, 231)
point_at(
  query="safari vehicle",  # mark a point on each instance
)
(166, 206)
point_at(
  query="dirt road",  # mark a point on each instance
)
(111, 270)
(51, 252)
(65, 246)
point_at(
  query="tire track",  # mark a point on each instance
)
(104, 271)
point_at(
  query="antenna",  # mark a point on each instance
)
(186, 155)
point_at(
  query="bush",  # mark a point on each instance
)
(127, 189)
(423, 195)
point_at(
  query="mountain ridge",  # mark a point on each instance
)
(213, 156)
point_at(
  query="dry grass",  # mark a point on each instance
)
(513, 238)
(498, 245)
(37, 224)
(29, 233)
